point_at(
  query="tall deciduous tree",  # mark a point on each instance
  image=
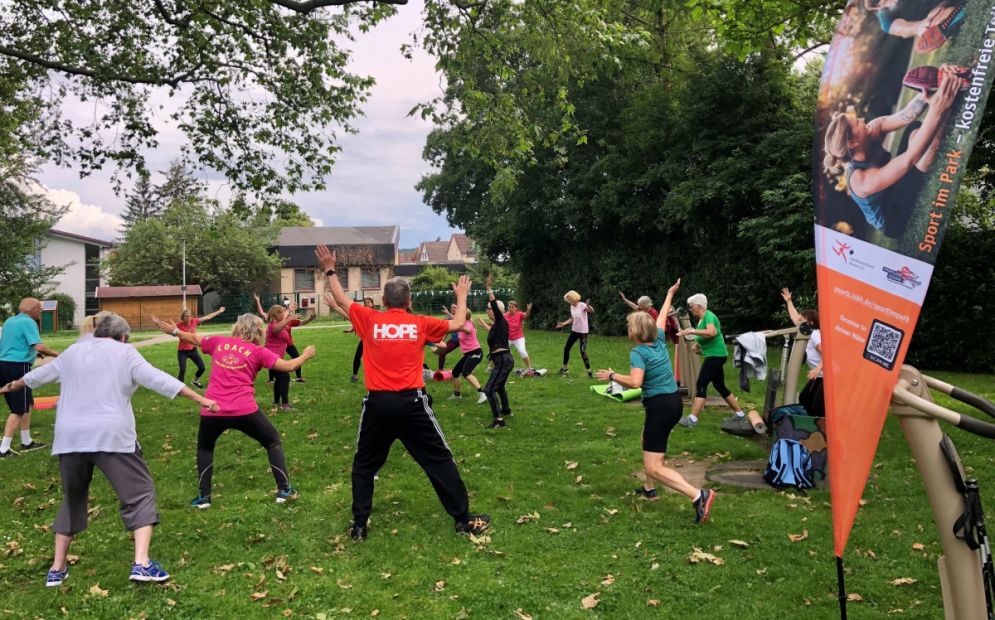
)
(261, 85)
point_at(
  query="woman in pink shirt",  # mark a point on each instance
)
(184, 351)
(578, 330)
(516, 335)
(277, 340)
(472, 354)
(236, 361)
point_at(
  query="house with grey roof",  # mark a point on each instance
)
(367, 256)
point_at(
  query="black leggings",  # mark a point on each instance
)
(813, 398)
(281, 387)
(712, 372)
(194, 356)
(357, 359)
(574, 337)
(293, 352)
(255, 425)
(494, 388)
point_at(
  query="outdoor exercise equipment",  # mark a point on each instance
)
(967, 578)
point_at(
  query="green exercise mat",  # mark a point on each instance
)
(624, 397)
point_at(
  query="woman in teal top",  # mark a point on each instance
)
(651, 371)
(708, 333)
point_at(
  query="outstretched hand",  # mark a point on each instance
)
(462, 287)
(673, 288)
(309, 352)
(785, 294)
(326, 257)
(489, 282)
(604, 374)
(210, 405)
(165, 325)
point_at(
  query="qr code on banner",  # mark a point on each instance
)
(883, 344)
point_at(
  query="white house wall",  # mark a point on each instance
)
(70, 255)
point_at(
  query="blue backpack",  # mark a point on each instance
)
(789, 466)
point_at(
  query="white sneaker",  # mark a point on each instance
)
(481, 398)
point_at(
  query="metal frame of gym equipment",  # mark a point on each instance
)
(967, 577)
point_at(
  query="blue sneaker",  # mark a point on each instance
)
(286, 495)
(201, 502)
(153, 572)
(56, 577)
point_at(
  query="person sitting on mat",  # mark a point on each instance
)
(885, 187)
(811, 396)
(651, 371)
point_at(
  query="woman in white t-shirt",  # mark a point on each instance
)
(578, 330)
(811, 396)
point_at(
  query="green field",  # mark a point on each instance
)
(248, 557)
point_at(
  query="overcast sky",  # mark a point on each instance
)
(372, 182)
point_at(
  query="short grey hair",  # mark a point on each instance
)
(113, 326)
(644, 302)
(698, 299)
(396, 293)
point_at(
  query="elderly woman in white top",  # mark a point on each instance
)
(95, 427)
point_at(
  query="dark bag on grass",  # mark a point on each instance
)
(789, 466)
(777, 414)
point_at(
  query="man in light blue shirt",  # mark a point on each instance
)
(20, 344)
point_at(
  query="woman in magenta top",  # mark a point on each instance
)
(185, 351)
(516, 335)
(291, 348)
(277, 340)
(236, 361)
(469, 346)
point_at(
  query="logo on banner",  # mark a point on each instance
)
(842, 249)
(904, 276)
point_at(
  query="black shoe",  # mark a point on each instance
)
(197, 383)
(8, 454)
(475, 524)
(703, 506)
(563, 372)
(649, 494)
(34, 445)
(358, 532)
(590, 375)
(299, 380)
(497, 424)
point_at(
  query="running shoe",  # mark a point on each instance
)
(353, 379)
(197, 383)
(481, 398)
(200, 502)
(590, 375)
(497, 424)
(645, 493)
(286, 407)
(456, 397)
(300, 380)
(703, 506)
(563, 372)
(153, 572)
(8, 454)
(687, 421)
(34, 445)
(285, 495)
(475, 524)
(358, 532)
(56, 577)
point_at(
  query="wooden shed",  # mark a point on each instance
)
(137, 304)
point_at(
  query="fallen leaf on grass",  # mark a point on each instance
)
(440, 586)
(288, 612)
(653, 603)
(798, 537)
(918, 546)
(697, 556)
(742, 544)
(280, 575)
(342, 584)
(612, 511)
(610, 432)
(96, 590)
(590, 601)
(608, 580)
(258, 596)
(171, 602)
(571, 464)
(13, 548)
(903, 581)
(521, 615)
(853, 596)
(532, 516)
(386, 575)
(552, 530)
(480, 540)
(578, 479)
(317, 570)
(655, 566)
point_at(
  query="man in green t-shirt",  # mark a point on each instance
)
(708, 333)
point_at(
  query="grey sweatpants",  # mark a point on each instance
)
(128, 475)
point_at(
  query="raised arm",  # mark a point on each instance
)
(588, 307)
(169, 327)
(483, 323)
(661, 319)
(259, 307)
(310, 317)
(292, 365)
(449, 315)
(528, 311)
(208, 317)
(326, 258)
(796, 318)
(288, 316)
(627, 301)
(462, 289)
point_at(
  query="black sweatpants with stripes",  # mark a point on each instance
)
(407, 416)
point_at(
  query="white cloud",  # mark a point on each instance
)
(83, 219)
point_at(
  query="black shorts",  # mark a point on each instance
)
(464, 367)
(663, 411)
(21, 401)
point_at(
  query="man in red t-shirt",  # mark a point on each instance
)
(397, 406)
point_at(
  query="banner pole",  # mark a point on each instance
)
(841, 584)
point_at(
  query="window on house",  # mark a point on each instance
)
(303, 280)
(371, 278)
(343, 276)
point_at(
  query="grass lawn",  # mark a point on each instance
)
(248, 557)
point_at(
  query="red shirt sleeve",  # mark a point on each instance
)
(295, 322)
(207, 344)
(433, 329)
(360, 316)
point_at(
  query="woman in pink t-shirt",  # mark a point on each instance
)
(578, 330)
(184, 351)
(516, 334)
(472, 354)
(277, 340)
(236, 361)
